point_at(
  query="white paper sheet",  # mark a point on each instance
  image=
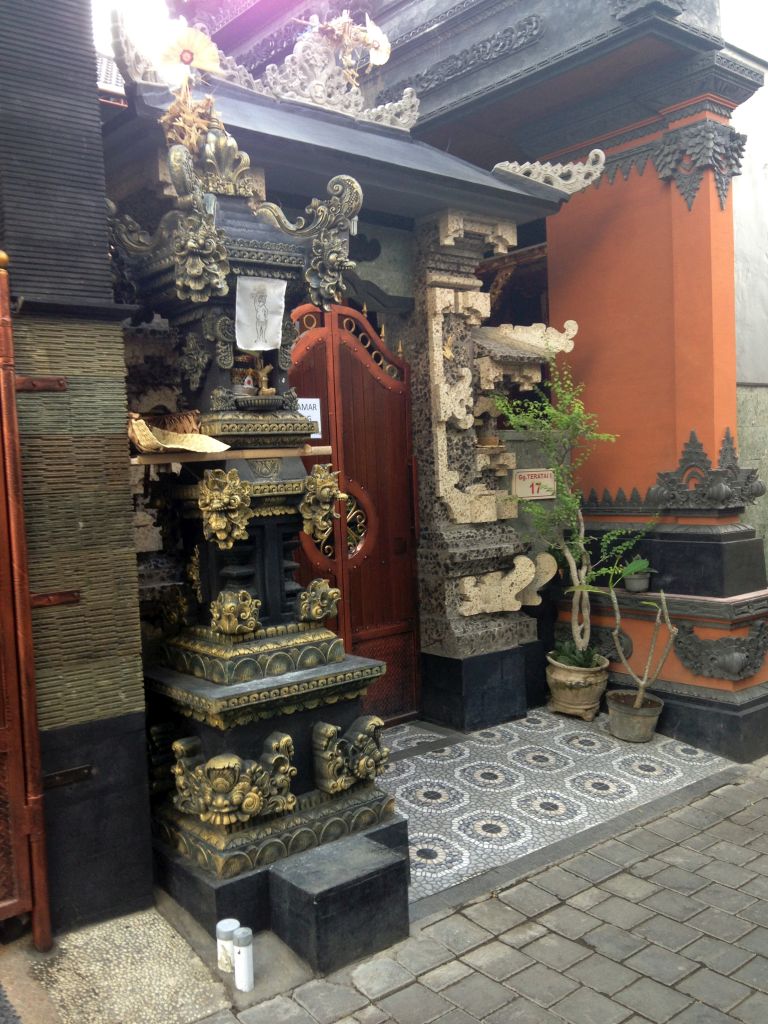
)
(259, 310)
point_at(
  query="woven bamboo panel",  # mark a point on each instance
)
(79, 517)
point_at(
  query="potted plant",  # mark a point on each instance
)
(632, 716)
(577, 674)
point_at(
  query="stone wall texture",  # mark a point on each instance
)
(79, 517)
(753, 449)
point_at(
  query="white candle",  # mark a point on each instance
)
(225, 930)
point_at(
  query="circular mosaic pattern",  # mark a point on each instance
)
(540, 759)
(431, 855)
(646, 767)
(432, 795)
(585, 743)
(601, 787)
(684, 752)
(549, 806)
(444, 755)
(539, 721)
(492, 828)
(487, 775)
(396, 772)
(493, 737)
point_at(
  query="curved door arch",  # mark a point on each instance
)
(365, 413)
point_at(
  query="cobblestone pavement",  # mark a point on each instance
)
(665, 921)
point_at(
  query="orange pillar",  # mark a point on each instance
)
(650, 282)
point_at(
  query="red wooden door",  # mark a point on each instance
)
(23, 878)
(364, 394)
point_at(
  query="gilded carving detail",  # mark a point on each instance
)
(235, 613)
(226, 791)
(193, 573)
(342, 761)
(328, 223)
(318, 602)
(318, 506)
(175, 609)
(225, 502)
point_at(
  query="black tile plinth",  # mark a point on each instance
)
(340, 902)
(733, 725)
(480, 691)
(97, 828)
(209, 899)
(249, 896)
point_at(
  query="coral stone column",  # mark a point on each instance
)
(645, 263)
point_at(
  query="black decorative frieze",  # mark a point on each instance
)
(732, 658)
(509, 40)
(684, 154)
(694, 486)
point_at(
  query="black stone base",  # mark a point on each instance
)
(340, 902)
(97, 820)
(252, 897)
(733, 725)
(483, 690)
(706, 561)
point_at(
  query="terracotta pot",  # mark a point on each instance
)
(576, 691)
(635, 725)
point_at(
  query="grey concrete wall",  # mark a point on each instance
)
(745, 24)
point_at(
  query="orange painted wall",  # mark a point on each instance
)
(650, 284)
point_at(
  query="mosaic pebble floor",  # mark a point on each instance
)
(480, 800)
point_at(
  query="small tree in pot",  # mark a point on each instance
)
(576, 673)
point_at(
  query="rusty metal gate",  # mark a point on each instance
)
(23, 880)
(364, 395)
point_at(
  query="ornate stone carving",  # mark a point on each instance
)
(317, 818)
(453, 225)
(226, 790)
(694, 485)
(568, 177)
(225, 502)
(506, 591)
(235, 613)
(733, 658)
(318, 602)
(601, 638)
(342, 761)
(226, 169)
(684, 154)
(328, 223)
(220, 328)
(193, 360)
(187, 233)
(508, 40)
(318, 506)
(313, 74)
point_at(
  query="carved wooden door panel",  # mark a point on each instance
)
(364, 394)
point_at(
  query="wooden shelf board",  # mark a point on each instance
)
(160, 458)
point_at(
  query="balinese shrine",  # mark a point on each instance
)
(305, 285)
